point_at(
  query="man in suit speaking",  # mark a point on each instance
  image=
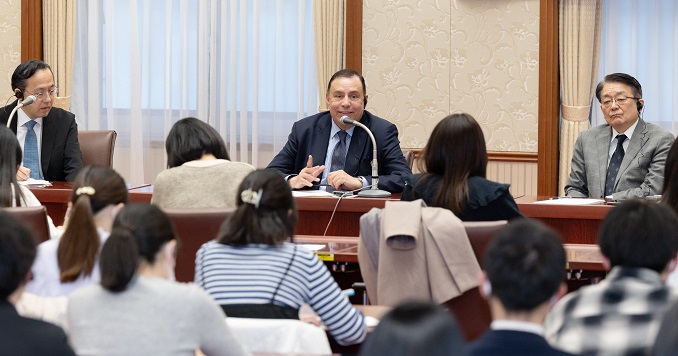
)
(323, 150)
(48, 136)
(624, 158)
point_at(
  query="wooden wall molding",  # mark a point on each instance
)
(31, 30)
(354, 35)
(495, 156)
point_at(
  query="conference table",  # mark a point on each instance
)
(330, 216)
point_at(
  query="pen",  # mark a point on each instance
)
(556, 198)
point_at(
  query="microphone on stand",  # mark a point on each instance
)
(28, 101)
(375, 192)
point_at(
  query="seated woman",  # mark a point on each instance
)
(9, 164)
(200, 174)
(454, 163)
(70, 262)
(415, 328)
(252, 270)
(137, 294)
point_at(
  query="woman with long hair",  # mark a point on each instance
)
(13, 194)
(254, 270)
(454, 166)
(199, 174)
(70, 262)
(137, 292)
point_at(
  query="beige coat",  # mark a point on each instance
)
(410, 251)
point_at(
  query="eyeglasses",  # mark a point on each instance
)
(41, 95)
(619, 100)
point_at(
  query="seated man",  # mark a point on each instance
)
(624, 158)
(524, 275)
(323, 150)
(621, 315)
(48, 136)
(19, 335)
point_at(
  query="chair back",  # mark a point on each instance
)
(193, 228)
(409, 157)
(97, 147)
(34, 218)
(471, 309)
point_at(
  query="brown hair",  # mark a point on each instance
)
(455, 151)
(267, 221)
(94, 188)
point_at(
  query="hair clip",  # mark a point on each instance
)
(85, 190)
(251, 197)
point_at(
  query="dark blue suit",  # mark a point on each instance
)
(24, 336)
(510, 343)
(60, 155)
(311, 136)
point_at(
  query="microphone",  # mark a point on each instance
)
(28, 101)
(375, 192)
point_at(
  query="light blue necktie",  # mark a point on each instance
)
(31, 158)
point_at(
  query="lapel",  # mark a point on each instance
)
(603, 153)
(638, 139)
(358, 148)
(320, 139)
(48, 137)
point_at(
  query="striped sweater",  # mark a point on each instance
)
(250, 274)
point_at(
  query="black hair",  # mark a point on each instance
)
(24, 71)
(670, 188)
(10, 192)
(415, 328)
(639, 233)
(620, 78)
(271, 221)
(525, 264)
(17, 252)
(139, 232)
(189, 139)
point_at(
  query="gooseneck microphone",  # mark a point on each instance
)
(28, 101)
(375, 192)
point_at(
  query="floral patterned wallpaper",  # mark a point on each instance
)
(10, 44)
(425, 59)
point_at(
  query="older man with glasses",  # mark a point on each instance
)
(48, 136)
(624, 158)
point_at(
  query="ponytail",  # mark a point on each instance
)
(119, 260)
(79, 244)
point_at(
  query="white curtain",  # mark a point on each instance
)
(246, 67)
(640, 37)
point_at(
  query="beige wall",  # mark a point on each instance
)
(10, 44)
(425, 59)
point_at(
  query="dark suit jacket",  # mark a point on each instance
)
(60, 155)
(311, 136)
(641, 172)
(487, 201)
(24, 336)
(510, 342)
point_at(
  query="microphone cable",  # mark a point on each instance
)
(342, 196)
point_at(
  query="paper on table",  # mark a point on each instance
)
(312, 247)
(311, 193)
(35, 182)
(571, 201)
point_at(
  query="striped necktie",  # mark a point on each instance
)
(31, 158)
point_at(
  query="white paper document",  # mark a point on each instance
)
(571, 201)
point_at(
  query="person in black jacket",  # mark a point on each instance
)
(19, 335)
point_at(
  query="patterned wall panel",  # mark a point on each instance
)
(10, 44)
(425, 59)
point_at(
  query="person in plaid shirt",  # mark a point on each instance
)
(621, 315)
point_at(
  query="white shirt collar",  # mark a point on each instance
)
(628, 132)
(22, 119)
(524, 326)
(336, 129)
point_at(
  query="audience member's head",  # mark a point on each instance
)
(98, 194)
(455, 151)
(639, 233)
(670, 189)
(525, 266)
(17, 252)
(622, 78)
(142, 238)
(190, 139)
(266, 213)
(666, 343)
(415, 328)
(10, 194)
